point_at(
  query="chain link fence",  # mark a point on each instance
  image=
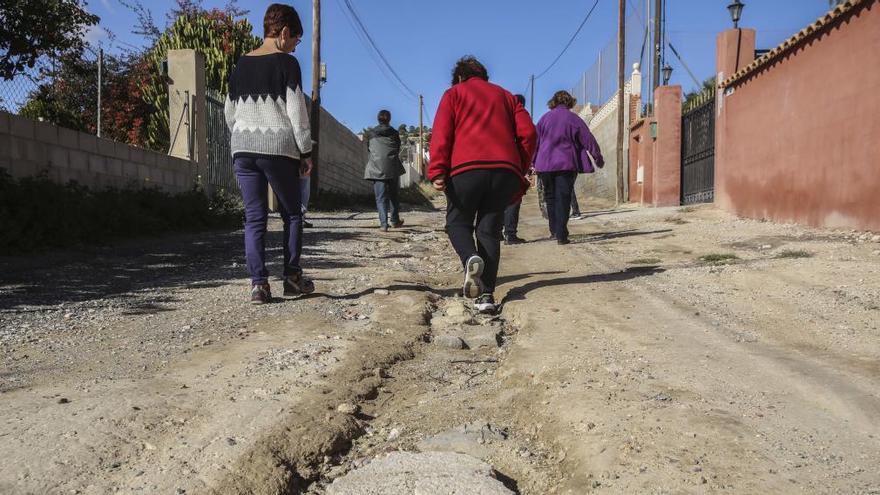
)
(37, 86)
(598, 83)
(14, 93)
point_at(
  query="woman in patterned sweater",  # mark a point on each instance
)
(271, 143)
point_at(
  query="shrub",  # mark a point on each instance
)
(38, 214)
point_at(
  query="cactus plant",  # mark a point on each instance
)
(215, 34)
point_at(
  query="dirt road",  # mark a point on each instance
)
(663, 351)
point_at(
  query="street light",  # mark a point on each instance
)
(667, 73)
(736, 9)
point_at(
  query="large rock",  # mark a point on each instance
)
(472, 439)
(476, 336)
(427, 473)
(449, 341)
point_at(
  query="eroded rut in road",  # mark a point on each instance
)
(444, 402)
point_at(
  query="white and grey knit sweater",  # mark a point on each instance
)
(266, 109)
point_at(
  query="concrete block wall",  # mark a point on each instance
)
(341, 160)
(29, 147)
(603, 182)
(410, 176)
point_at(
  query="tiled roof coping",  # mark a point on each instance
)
(843, 10)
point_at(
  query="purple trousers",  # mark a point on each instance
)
(255, 173)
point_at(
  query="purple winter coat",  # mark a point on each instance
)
(563, 143)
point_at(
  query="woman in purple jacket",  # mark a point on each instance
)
(565, 146)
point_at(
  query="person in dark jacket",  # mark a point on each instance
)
(481, 147)
(511, 214)
(565, 149)
(384, 170)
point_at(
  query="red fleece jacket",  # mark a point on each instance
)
(480, 125)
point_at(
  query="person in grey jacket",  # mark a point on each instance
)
(384, 170)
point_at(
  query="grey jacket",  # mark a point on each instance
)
(384, 149)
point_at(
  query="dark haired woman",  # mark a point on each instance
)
(565, 146)
(271, 142)
(481, 147)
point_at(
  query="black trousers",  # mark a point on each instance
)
(558, 187)
(511, 219)
(475, 203)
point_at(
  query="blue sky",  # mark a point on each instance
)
(514, 38)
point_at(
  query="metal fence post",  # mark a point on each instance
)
(100, 74)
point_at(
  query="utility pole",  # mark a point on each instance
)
(532, 106)
(421, 146)
(658, 28)
(100, 77)
(621, 61)
(315, 117)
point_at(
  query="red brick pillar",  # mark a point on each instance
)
(735, 49)
(666, 190)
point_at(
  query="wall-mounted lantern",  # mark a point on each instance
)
(736, 9)
(667, 73)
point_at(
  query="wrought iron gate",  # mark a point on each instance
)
(220, 172)
(698, 152)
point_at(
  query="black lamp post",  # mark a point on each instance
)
(736, 9)
(667, 73)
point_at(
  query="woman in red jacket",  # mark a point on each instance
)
(481, 148)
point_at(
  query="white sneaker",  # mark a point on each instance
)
(485, 304)
(473, 269)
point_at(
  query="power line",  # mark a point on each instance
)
(366, 44)
(372, 42)
(570, 41)
(370, 52)
(688, 69)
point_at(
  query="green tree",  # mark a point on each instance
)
(69, 96)
(217, 35)
(707, 89)
(32, 29)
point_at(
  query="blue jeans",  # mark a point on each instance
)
(305, 191)
(255, 174)
(387, 200)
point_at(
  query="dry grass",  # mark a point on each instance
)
(718, 258)
(794, 253)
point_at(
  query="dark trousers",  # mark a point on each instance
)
(511, 219)
(387, 200)
(475, 203)
(575, 208)
(254, 175)
(558, 187)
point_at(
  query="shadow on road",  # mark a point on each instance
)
(604, 236)
(599, 213)
(135, 273)
(519, 293)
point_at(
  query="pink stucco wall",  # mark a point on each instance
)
(799, 140)
(666, 175)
